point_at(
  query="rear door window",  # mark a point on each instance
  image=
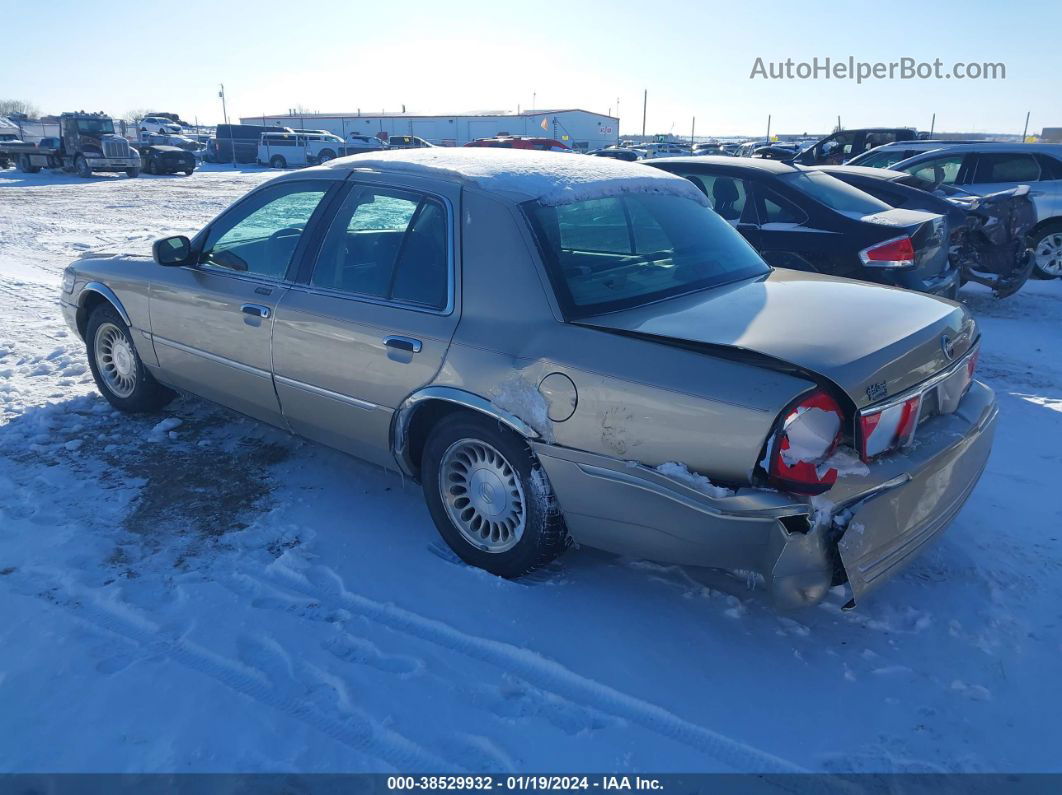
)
(1006, 167)
(388, 244)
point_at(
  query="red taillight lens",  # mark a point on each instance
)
(811, 430)
(889, 428)
(971, 365)
(896, 253)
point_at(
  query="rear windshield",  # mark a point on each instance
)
(833, 193)
(615, 253)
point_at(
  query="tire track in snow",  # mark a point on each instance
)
(358, 732)
(324, 586)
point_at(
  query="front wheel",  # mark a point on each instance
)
(1047, 252)
(278, 162)
(119, 373)
(188, 172)
(132, 172)
(82, 167)
(489, 497)
(326, 155)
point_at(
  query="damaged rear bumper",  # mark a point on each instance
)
(800, 549)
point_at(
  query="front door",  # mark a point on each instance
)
(211, 323)
(372, 322)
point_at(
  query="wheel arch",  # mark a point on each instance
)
(92, 295)
(1054, 221)
(423, 409)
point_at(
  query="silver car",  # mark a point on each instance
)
(563, 349)
(985, 168)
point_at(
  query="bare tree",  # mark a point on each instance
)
(16, 106)
(136, 114)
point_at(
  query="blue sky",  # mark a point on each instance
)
(693, 57)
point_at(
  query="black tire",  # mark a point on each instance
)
(132, 173)
(325, 155)
(147, 395)
(278, 162)
(188, 172)
(1051, 230)
(544, 535)
(81, 166)
(25, 167)
(150, 167)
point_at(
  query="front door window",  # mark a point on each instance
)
(259, 235)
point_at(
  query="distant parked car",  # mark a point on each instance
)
(988, 235)
(985, 168)
(888, 155)
(804, 219)
(158, 124)
(709, 149)
(521, 142)
(670, 149)
(627, 155)
(562, 349)
(364, 143)
(406, 142)
(163, 159)
(842, 146)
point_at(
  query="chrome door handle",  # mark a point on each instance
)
(407, 344)
(255, 309)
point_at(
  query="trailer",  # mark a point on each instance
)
(87, 144)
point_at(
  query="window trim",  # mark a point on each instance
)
(761, 191)
(301, 279)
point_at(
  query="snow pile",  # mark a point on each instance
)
(811, 436)
(846, 461)
(682, 473)
(521, 399)
(551, 178)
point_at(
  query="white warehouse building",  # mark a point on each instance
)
(579, 129)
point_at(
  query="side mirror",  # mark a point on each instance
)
(170, 251)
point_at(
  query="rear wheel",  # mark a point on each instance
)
(278, 162)
(1047, 252)
(489, 497)
(81, 166)
(119, 373)
(25, 167)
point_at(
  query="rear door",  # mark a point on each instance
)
(787, 236)
(996, 171)
(371, 320)
(211, 323)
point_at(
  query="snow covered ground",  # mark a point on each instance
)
(197, 592)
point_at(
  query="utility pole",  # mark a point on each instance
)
(1025, 132)
(225, 115)
(645, 104)
(534, 100)
(768, 128)
(933, 125)
(693, 130)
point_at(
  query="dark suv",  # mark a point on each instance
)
(842, 146)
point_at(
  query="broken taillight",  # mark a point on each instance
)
(889, 428)
(899, 252)
(808, 434)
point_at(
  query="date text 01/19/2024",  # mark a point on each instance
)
(519, 783)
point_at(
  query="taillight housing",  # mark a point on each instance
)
(888, 428)
(898, 252)
(808, 434)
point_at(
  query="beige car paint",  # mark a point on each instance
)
(700, 380)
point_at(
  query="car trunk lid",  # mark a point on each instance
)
(872, 342)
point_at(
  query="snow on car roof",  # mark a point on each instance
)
(551, 178)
